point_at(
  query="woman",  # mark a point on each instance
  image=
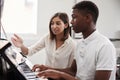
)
(59, 46)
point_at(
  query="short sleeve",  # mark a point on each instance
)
(106, 58)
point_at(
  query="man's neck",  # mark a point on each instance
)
(87, 33)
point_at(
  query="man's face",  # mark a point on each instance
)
(78, 21)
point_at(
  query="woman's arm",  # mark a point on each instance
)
(18, 42)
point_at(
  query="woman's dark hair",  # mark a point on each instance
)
(65, 19)
(88, 7)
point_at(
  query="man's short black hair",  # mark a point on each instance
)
(88, 7)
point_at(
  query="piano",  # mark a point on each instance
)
(14, 66)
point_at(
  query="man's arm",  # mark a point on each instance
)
(55, 75)
(102, 75)
(72, 70)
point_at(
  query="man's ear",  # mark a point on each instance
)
(88, 17)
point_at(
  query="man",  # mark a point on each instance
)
(95, 57)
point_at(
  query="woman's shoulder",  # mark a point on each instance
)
(47, 35)
(70, 40)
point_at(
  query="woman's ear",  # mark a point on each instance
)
(66, 25)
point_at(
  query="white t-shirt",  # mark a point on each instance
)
(60, 58)
(94, 53)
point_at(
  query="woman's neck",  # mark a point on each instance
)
(59, 37)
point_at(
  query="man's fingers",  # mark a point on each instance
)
(42, 74)
(36, 67)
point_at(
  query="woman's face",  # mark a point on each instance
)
(57, 26)
(78, 21)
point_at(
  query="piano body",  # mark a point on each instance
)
(14, 65)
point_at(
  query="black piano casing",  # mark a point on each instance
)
(12, 73)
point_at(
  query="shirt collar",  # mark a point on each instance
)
(91, 37)
(67, 41)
